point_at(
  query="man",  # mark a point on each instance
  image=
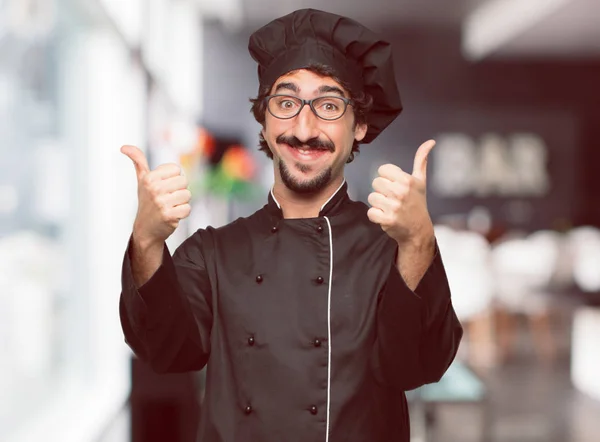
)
(315, 313)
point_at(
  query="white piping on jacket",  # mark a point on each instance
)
(333, 194)
(275, 199)
(328, 308)
(329, 328)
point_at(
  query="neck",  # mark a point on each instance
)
(299, 205)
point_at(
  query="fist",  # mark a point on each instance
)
(399, 203)
(163, 197)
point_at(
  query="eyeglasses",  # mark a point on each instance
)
(327, 108)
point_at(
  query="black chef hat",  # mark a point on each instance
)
(356, 54)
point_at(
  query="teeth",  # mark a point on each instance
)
(307, 152)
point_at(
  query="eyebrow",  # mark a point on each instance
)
(322, 90)
(290, 86)
(331, 89)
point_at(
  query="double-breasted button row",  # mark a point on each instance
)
(319, 229)
(316, 342)
(313, 409)
(318, 279)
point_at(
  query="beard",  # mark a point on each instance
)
(314, 184)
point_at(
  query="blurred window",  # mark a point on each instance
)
(41, 338)
(63, 363)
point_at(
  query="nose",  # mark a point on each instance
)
(306, 126)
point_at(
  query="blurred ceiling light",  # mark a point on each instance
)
(496, 22)
(31, 19)
(229, 12)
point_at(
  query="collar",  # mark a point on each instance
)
(331, 207)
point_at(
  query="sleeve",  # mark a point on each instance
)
(418, 333)
(167, 321)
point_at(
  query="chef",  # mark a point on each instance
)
(316, 313)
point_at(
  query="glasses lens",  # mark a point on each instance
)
(284, 106)
(329, 108)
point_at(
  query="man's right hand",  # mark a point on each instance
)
(163, 198)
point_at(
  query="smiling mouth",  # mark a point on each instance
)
(307, 150)
(307, 153)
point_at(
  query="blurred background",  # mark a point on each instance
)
(510, 89)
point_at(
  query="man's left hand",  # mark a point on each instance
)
(399, 201)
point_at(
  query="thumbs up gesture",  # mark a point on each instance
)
(399, 203)
(163, 198)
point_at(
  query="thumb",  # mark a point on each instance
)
(139, 159)
(420, 163)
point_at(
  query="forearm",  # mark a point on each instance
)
(146, 258)
(157, 319)
(414, 258)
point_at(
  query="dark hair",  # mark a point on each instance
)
(362, 105)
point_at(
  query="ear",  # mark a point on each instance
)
(360, 131)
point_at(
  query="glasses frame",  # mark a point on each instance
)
(347, 102)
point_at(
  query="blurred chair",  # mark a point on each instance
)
(585, 248)
(524, 271)
(459, 386)
(466, 260)
(585, 336)
(466, 257)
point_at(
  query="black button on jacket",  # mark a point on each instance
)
(268, 380)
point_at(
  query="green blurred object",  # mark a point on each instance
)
(218, 183)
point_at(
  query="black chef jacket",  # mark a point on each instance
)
(308, 329)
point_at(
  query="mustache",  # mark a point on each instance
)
(313, 143)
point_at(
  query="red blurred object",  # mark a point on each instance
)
(238, 164)
(206, 142)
